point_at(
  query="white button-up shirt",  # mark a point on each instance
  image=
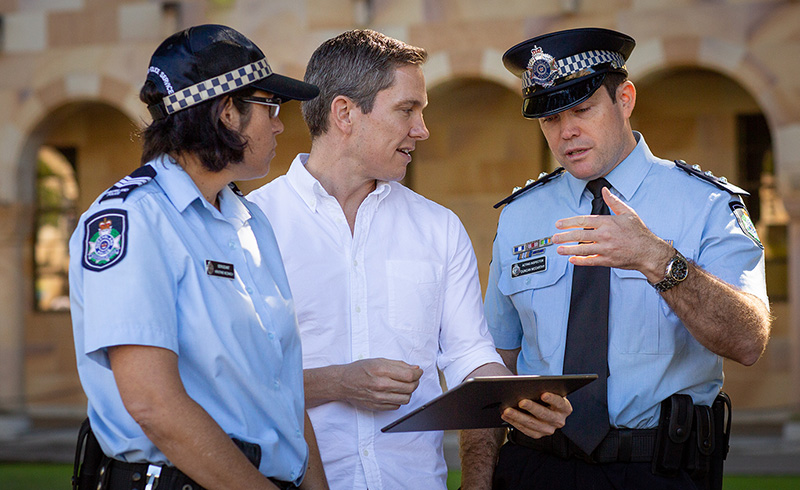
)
(404, 285)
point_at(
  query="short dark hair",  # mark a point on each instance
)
(357, 64)
(611, 82)
(196, 130)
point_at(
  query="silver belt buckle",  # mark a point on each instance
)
(153, 473)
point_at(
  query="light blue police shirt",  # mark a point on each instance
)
(651, 355)
(165, 268)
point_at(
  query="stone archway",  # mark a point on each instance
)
(103, 147)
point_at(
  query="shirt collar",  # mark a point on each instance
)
(311, 191)
(182, 191)
(626, 177)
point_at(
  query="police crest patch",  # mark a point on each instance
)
(105, 239)
(745, 223)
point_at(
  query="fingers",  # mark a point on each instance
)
(381, 384)
(402, 371)
(585, 221)
(539, 419)
(393, 369)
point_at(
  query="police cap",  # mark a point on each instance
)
(206, 61)
(561, 69)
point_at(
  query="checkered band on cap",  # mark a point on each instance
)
(576, 63)
(219, 85)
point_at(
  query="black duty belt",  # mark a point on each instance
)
(619, 446)
(122, 475)
(119, 475)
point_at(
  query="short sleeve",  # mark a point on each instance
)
(128, 281)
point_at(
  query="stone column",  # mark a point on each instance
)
(791, 201)
(15, 226)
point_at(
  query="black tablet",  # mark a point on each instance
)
(478, 402)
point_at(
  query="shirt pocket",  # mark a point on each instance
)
(541, 300)
(643, 322)
(414, 289)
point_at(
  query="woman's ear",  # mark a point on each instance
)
(230, 115)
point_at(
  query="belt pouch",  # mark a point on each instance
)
(88, 458)
(674, 429)
(701, 443)
(721, 412)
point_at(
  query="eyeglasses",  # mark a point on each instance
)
(273, 103)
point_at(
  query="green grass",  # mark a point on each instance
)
(30, 476)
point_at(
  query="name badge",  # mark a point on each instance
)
(529, 267)
(220, 269)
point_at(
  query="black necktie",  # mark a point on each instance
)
(587, 344)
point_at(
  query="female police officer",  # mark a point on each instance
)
(184, 325)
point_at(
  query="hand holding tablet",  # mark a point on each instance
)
(478, 402)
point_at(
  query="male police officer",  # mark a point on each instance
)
(650, 289)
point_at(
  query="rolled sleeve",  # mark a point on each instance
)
(464, 337)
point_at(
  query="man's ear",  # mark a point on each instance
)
(342, 108)
(626, 97)
(230, 116)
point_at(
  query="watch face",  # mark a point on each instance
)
(678, 269)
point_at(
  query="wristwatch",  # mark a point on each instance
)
(677, 270)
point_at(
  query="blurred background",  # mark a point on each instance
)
(718, 85)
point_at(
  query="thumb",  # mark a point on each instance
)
(614, 203)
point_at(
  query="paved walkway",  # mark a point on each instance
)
(759, 446)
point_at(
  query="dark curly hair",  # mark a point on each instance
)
(197, 129)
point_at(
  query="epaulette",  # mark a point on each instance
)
(236, 189)
(720, 182)
(137, 178)
(544, 177)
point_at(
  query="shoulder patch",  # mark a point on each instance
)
(531, 184)
(105, 239)
(236, 189)
(720, 182)
(137, 178)
(744, 221)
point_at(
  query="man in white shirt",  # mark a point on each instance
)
(385, 281)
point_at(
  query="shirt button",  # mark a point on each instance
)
(232, 244)
(358, 309)
(277, 384)
(271, 335)
(249, 290)
(366, 453)
(355, 263)
(298, 433)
